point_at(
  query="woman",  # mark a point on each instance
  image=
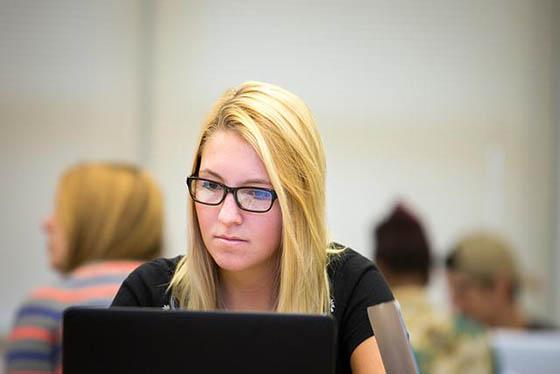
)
(258, 237)
(107, 220)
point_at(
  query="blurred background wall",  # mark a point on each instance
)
(451, 106)
(556, 163)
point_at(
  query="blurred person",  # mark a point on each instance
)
(485, 282)
(258, 236)
(107, 220)
(404, 256)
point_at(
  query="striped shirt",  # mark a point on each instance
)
(34, 344)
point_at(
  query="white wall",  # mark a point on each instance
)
(446, 104)
(555, 264)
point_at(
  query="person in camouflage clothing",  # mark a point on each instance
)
(441, 342)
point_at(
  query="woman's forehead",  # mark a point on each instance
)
(228, 156)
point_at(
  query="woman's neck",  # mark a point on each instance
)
(248, 291)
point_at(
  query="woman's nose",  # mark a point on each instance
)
(230, 213)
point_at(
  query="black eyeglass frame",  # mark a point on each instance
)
(232, 190)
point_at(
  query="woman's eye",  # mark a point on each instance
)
(212, 186)
(258, 194)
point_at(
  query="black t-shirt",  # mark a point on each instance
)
(355, 284)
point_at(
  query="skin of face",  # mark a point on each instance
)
(472, 299)
(56, 243)
(240, 242)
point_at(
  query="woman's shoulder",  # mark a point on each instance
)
(356, 284)
(148, 284)
(159, 270)
(345, 259)
(351, 273)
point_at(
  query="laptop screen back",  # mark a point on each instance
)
(130, 340)
(392, 338)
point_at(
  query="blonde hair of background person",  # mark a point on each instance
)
(108, 211)
(107, 219)
(262, 137)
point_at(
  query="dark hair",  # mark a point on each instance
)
(401, 244)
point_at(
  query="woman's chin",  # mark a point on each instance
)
(227, 263)
(54, 263)
(55, 266)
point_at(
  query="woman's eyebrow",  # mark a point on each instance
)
(244, 183)
(211, 173)
(257, 181)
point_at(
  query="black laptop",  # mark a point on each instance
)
(134, 340)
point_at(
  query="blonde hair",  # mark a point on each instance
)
(109, 211)
(281, 129)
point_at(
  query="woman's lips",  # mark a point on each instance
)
(230, 239)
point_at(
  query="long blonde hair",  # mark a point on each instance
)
(281, 129)
(109, 211)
